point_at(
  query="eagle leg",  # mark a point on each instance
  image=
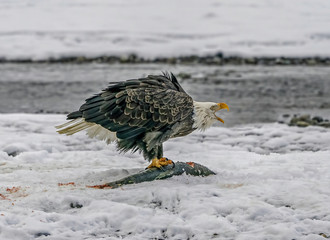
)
(160, 162)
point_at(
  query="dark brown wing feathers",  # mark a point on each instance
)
(135, 107)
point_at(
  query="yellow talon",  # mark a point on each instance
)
(159, 162)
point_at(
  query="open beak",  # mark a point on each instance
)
(222, 106)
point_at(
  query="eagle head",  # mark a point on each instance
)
(204, 114)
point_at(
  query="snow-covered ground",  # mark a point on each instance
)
(272, 182)
(38, 29)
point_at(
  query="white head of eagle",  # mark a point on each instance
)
(141, 114)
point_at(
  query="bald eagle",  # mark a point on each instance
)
(141, 114)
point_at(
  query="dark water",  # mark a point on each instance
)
(253, 93)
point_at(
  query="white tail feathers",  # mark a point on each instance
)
(93, 130)
(73, 126)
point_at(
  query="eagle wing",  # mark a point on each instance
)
(134, 108)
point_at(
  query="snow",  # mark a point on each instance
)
(35, 29)
(272, 182)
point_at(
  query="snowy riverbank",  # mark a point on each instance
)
(36, 30)
(272, 182)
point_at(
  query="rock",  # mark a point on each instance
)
(251, 61)
(302, 124)
(15, 149)
(324, 124)
(311, 62)
(40, 234)
(306, 120)
(324, 235)
(317, 119)
(293, 121)
(81, 59)
(76, 205)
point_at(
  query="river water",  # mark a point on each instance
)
(253, 93)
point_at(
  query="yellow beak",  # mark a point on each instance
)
(222, 106)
